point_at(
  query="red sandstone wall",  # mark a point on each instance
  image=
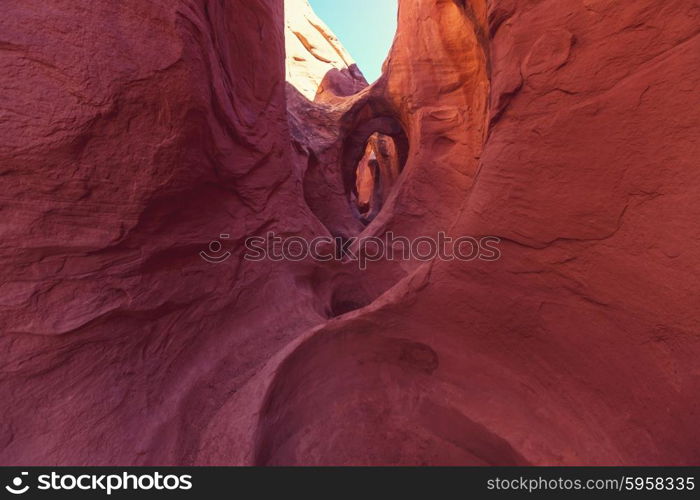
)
(134, 133)
(578, 346)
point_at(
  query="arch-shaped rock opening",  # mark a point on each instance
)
(375, 176)
(374, 155)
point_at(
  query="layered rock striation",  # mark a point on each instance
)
(137, 135)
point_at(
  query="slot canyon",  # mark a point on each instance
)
(137, 133)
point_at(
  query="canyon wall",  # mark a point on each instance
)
(138, 135)
(566, 128)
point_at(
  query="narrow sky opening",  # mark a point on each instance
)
(366, 28)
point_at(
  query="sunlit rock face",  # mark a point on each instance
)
(136, 134)
(559, 127)
(365, 187)
(317, 63)
(375, 175)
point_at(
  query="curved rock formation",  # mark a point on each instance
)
(318, 66)
(140, 134)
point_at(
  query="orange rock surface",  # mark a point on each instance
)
(138, 134)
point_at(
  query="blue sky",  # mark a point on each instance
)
(365, 27)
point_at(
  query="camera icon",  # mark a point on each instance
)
(16, 487)
(214, 255)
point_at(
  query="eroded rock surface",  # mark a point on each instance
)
(136, 134)
(318, 66)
